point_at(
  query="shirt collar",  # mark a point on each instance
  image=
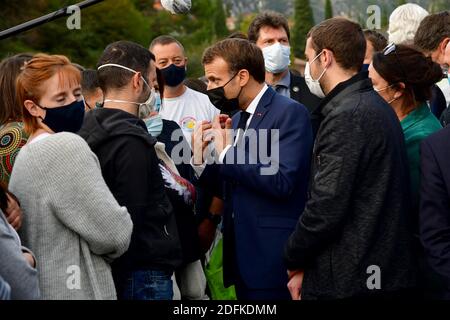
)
(420, 113)
(285, 81)
(254, 104)
(361, 76)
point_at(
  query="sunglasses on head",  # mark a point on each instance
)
(392, 48)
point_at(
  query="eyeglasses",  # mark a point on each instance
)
(392, 48)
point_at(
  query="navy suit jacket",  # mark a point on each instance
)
(435, 203)
(261, 211)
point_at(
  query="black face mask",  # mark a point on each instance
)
(173, 75)
(67, 118)
(218, 99)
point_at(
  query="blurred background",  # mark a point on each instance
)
(142, 20)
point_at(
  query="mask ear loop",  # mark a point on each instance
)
(43, 108)
(324, 70)
(231, 79)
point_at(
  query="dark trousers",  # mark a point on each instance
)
(244, 293)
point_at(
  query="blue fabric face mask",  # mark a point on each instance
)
(154, 125)
(67, 118)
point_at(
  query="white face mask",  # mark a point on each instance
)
(277, 58)
(144, 108)
(314, 85)
(384, 89)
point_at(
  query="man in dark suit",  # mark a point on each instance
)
(263, 158)
(270, 32)
(435, 206)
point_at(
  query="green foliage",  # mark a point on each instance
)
(220, 26)
(109, 21)
(303, 22)
(245, 22)
(328, 9)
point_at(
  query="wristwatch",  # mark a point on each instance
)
(215, 218)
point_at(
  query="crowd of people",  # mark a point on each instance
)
(130, 181)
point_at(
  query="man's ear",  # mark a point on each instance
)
(327, 57)
(444, 45)
(32, 108)
(244, 77)
(186, 60)
(136, 80)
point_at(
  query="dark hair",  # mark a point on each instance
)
(127, 54)
(89, 81)
(196, 84)
(164, 41)
(432, 30)
(239, 54)
(238, 35)
(377, 39)
(267, 19)
(420, 72)
(344, 38)
(10, 68)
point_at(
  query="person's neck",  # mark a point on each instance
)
(273, 78)
(335, 77)
(124, 106)
(174, 92)
(252, 89)
(37, 133)
(402, 108)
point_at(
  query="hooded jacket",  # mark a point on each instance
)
(130, 168)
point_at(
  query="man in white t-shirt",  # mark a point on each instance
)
(180, 104)
(186, 107)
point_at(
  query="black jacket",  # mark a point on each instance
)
(184, 213)
(357, 215)
(300, 93)
(131, 171)
(435, 205)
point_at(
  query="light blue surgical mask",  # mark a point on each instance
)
(154, 125)
(277, 58)
(158, 101)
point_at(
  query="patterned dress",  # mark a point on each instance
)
(12, 139)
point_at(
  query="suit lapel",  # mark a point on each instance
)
(262, 108)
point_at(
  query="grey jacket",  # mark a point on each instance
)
(18, 276)
(357, 219)
(72, 222)
(5, 290)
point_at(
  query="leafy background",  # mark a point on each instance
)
(142, 20)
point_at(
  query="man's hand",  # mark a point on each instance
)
(295, 284)
(200, 141)
(222, 132)
(13, 213)
(29, 258)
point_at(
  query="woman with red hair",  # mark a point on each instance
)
(71, 220)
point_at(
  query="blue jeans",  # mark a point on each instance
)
(148, 285)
